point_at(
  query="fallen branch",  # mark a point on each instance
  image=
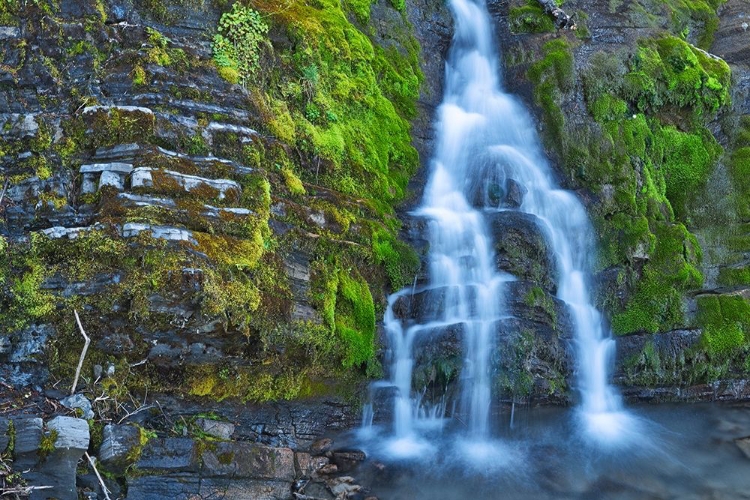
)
(130, 414)
(24, 490)
(562, 20)
(98, 476)
(83, 352)
(5, 190)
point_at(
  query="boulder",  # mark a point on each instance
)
(120, 446)
(215, 428)
(347, 460)
(190, 486)
(57, 468)
(79, 402)
(248, 460)
(521, 248)
(169, 455)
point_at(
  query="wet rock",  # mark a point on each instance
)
(347, 460)
(188, 486)
(143, 177)
(744, 445)
(343, 486)
(307, 465)
(8, 32)
(328, 470)
(321, 446)
(29, 343)
(58, 469)
(248, 460)
(29, 432)
(79, 402)
(164, 455)
(97, 175)
(215, 428)
(514, 193)
(521, 248)
(119, 447)
(169, 233)
(438, 356)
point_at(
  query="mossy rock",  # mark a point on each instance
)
(521, 248)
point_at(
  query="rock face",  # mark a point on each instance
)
(47, 455)
(671, 327)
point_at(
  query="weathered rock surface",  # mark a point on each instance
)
(185, 487)
(120, 447)
(521, 248)
(49, 458)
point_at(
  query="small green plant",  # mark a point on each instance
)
(47, 444)
(237, 44)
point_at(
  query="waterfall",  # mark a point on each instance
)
(485, 139)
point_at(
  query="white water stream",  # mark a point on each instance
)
(484, 138)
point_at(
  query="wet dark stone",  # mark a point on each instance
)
(169, 455)
(348, 460)
(521, 248)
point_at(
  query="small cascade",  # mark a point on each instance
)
(488, 160)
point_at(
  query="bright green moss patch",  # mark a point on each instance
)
(552, 75)
(689, 159)
(340, 99)
(656, 302)
(668, 71)
(400, 260)
(695, 15)
(606, 107)
(360, 9)
(355, 318)
(725, 320)
(530, 18)
(23, 300)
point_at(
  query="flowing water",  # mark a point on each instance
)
(486, 139)
(689, 452)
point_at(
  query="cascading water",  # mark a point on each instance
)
(485, 139)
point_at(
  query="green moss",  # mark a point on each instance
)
(739, 170)
(116, 126)
(668, 71)
(360, 9)
(607, 107)
(47, 444)
(725, 320)
(553, 75)
(514, 378)
(22, 274)
(400, 260)
(530, 18)
(355, 318)
(351, 103)
(293, 183)
(689, 159)
(537, 297)
(656, 303)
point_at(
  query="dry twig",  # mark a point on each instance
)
(83, 352)
(98, 476)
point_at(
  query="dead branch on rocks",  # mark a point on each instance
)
(92, 461)
(83, 352)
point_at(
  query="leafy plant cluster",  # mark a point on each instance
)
(236, 46)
